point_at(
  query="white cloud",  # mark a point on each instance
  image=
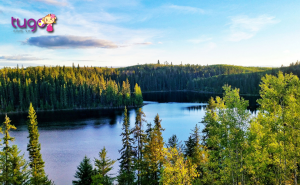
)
(286, 51)
(54, 2)
(9, 12)
(199, 40)
(143, 43)
(186, 9)
(243, 27)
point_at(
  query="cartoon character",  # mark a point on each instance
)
(49, 20)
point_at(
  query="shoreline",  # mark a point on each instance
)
(204, 92)
(72, 109)
(121, 107)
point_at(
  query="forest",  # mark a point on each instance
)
(235, 147)
(61, 87)
(52, 88)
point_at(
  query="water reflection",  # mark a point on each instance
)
(197, 107)
(186, 96)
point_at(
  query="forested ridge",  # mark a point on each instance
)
(60, 87)
(167, 77)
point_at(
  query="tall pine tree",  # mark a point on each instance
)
(126, 173)
(38, 176)
(153, 151)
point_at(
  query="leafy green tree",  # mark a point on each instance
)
(274, 134)
(126, 172)
(84, 172)
(36, 162)
(176, 169)
(227, 138)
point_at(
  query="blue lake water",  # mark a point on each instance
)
(67, 136)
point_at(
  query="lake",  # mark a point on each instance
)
(67, 136)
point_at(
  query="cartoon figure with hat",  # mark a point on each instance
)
(49, 20)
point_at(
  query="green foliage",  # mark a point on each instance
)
(50, 88)
(274, 134)
(36, 162)
(138, 97)
(227, 123)
(13, 167)
(176, 169)
(174, 143)
(6, 170)
(84, 172)
(19, 172)
(103, 166)
(126, 172)
(139, 140)
(153, 151)
(97, 179)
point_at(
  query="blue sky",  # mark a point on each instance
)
(124, 33)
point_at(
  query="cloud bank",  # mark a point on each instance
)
(67, 42)
(20, 57)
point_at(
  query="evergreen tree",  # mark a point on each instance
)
(38, 176)
(139, 139)
(13, 167)
(84, 172)
(189, 149)
(6, 150)
(126, 172)
(174, 143)
(103, 166)
(19, 172)
(138, 97)
(153, 151)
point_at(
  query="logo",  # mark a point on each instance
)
(48, 20)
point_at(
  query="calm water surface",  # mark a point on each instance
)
(67, 136)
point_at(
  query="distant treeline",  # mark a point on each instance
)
(166, 77)
(63, 87)
(50, 88)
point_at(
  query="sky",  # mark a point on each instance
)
(125, 33)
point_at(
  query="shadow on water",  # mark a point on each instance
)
(77, 119)
(194, 97)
